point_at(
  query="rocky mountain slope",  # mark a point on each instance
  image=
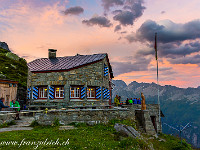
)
(179, 105)
(13, 67)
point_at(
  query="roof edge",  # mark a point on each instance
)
(47, 71)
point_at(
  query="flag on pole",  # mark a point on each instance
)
(155, 46)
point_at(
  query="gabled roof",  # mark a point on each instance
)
(64, 63)
(8, 81)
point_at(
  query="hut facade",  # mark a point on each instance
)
(8, 90)
(70, 81)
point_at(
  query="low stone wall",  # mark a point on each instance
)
(6, 117)
(90, 116)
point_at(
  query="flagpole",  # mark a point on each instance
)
(157, 78)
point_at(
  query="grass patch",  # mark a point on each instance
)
(170, 143)
(97, 137)
(126, 122)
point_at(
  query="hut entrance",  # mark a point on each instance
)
(153, 120)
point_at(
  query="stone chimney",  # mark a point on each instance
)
(52, 53)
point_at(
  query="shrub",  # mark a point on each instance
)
(56, 122)
(34, 123)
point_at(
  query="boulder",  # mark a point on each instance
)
(126, 130)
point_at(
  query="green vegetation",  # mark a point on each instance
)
(7, 124)
(13, 67)
(168, 142)
(56, 122)
(34, 124)
(97, 137)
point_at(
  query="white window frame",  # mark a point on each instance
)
(60, 89)
(89, 92)
(76, 91)
(42, 92)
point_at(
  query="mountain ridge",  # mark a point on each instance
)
(179, 105)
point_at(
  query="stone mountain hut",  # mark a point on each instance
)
(69, 81)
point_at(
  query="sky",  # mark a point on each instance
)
(125, 29)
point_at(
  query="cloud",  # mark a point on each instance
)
(125, 18)
(98, 20)
(110, 3)
(74, 10)
(117, 28)
(174, 40)
(129, 66)
(128, 12)
(167, 30)
(171, 50)
(162, 12)
(132, 10)
(195, 59)
(160, 68)
(135, 6)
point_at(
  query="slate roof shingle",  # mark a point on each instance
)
(63, 63)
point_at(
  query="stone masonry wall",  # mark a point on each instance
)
(92, 75)
(92, 116)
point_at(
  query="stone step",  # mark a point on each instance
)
(66, 127)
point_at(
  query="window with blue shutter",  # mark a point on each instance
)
(29, 93)
(104, 93)
(59, 92)
(105, 70)
(108, 94)
(74, 92)
(42, 92)
(98, 92)
(35, 92)
(51, 92)
(83, 92)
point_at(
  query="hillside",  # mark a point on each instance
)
(82, 136)
(13, 67)
(179, 105)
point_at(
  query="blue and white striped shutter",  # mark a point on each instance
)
(64, 93)
(108, 94)
(29, 93)
(83, 92)
(35, 92)
(98, 92)
(105, 70)
(70, 91)
(51, 92)
(104, 93)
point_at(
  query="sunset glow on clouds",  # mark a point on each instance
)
(122, 28)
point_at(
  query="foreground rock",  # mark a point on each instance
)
(126, 130)
(66, 127)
